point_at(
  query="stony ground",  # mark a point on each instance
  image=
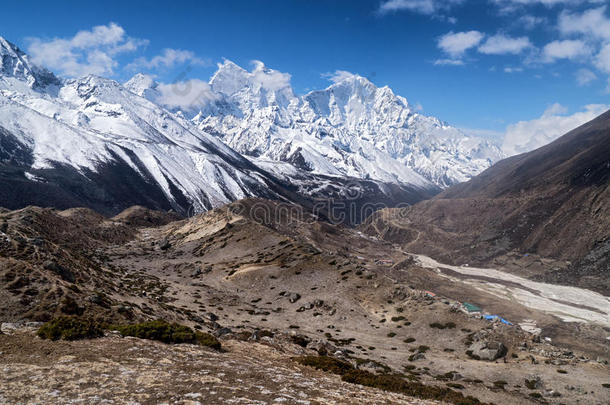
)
(298, 281)
(114, 370)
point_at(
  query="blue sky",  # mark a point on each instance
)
(478, 64)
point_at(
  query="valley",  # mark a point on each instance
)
(283, 285)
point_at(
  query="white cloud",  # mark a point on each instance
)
(509, 69)
(186, 95)
(449, 62)
(338, 76)
(455, 44)
(566, 49)
(88, 52)
(269, 79)
(592, 22)
(525, 136)
(417, 6)
(530, 21)
(168, 58)
(602, 59)
(501, 44)
(509, 6)
(585, 76)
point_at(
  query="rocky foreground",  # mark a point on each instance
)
(115, 370)
(272, 290)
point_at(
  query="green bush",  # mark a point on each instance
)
(168, 333)
(500, 384)
(448, 325)
(395, 383)
(387, 382)
(325, 363)
(70, 328)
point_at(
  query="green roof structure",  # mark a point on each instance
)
(471, 307)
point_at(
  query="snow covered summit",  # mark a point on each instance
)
(352, 128)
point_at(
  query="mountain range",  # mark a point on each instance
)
(95, 142)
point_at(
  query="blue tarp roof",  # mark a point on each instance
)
(494, 317)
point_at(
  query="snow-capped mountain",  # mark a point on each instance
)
(352, 128)
(92, 122)
(94, 142)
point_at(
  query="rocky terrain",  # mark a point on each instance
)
(274, 284)
(544, 215)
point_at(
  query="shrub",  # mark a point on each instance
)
(70, 328)
(500, 384)
(325, 363)
(606, 385)
(447, 325)
(387, 382)
(409, 340)
(395, 383)
(560, 371)
(302, 341)
(391, 334)
(168, 333)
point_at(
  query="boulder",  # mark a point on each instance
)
(487, 350)
(165, 244)
(60, 270)
(293, 297)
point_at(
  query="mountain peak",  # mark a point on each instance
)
(229, 78)
(143, 85)
(16, 64)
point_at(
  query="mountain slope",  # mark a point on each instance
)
(551, 203)
(352, 128)
(94, 142)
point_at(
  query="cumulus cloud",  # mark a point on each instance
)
(501, 44)
(417, 6)
(269, 79)
(592, 23)
(585, 77)
(186, 95)
(168, 58)
(525, 136)
(566, 49)
(88, 52)
(456, 44)
(602, 59)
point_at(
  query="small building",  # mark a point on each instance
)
(471, 307)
